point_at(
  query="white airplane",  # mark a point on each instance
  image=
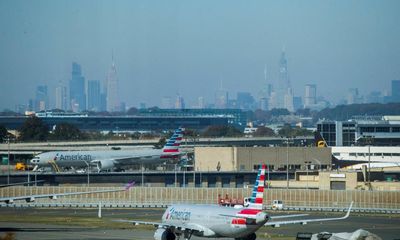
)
(32, 198)
(110, 159)
(218, 221)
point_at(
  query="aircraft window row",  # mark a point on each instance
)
(372, 154)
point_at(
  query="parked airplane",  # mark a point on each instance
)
(32, 198)
(217, 221)
(110, 159)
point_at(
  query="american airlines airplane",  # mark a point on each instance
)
(110, 159)
(217, 221)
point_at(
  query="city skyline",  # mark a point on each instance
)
(188, 48)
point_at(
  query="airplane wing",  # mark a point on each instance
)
(31, 198)
(181, 227)
(305, 221)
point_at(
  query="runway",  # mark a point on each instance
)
(68, 224)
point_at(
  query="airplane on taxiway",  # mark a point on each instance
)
(217, 221)
(110, 159)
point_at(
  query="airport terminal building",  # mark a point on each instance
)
(238, 159)
(378, 131)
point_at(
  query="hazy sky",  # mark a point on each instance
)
(162, 48)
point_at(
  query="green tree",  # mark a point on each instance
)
(66, 131)
(222, 131)
(288, 131)
(264, 132)
(33, 129)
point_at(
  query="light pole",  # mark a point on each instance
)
(369, 167)
(175, 174)
(287, 162)
(8, 160)
(88, 171)
(307, 164)
(268, 176)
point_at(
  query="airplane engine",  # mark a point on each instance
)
(261, 216)
(103, 165)
(164, 234)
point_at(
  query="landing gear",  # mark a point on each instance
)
(252, 236)
(186, 235)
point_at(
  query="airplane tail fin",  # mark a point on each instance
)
(257, 196)
(319, 140)
(173, 143)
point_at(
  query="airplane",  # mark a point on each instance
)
(216, 221)
(54, 196)
(110, 159)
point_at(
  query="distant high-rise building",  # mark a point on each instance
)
(395, 91)
(42, 98)
(221, 99)
(288, 100)
(103, 102)
(77, 89)
(284, 90)
(179, 103)
(264, 104)
(94, 95)
(112, 89)
(201, 103)
(166, 103)
(310, 95)
(273, 102)
(353, 96)
(245, 100)
(374, 97)
(142, 105)
(297, 103)
(61, 97)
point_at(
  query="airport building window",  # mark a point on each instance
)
(212, 182)
(395, 129)
(383, 129)
(226, 182)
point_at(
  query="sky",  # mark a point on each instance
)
(165, 48)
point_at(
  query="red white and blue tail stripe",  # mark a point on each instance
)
(256, 200)
(172, 145)
(257, 196)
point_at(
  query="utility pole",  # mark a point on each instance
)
(8, 161)
(369, 167)
(287, 162)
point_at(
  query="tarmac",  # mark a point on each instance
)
(32, 223)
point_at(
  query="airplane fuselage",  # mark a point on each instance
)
(79, 159)
(215, 221)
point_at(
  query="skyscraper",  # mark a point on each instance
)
(221, 99)
(284, 91)
(61, 97)
(245, 100)
(395, 90)
(94, 96)
(166, 102)
(310, 95)
(112, 89)
(41, 99)
(179, 103)
(353, 96)
(77, 89)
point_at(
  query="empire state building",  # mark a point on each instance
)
(112, 90)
